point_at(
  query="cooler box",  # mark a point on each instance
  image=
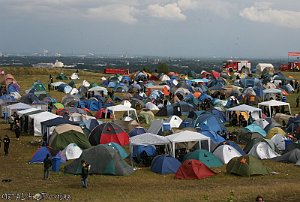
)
(287, 143)
(55, 164)
(166, 126)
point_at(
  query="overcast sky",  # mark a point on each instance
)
(184, 28)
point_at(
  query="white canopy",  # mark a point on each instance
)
(271, 91)
(187, 136)
(274, 103)
(148, 139)
(121, 108)
(20, 113)
(255, 112)
(40, 117)
(16, 107)
(99, 89)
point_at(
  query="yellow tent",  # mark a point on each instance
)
(274, 131)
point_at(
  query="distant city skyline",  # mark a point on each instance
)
(166, 28)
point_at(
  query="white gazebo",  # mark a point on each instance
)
(271, 91)
(121, 108)
(274, 103)
(255, 112)
(187, 136)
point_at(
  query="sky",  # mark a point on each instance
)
(172, 28)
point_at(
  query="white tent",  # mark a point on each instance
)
(164, 77)
(262, 123)
(40, 117)
(86, 83)
(262, 150)
(274, 103)
(20, 113)
(187, 136)
(148, 139)
(271, 91)
(121, 108)
(279, 141)
(261, 66)
(74, 91)
(56, 84)
(10, 109)
(226, 152)
(72, 151)
(174, 121)
(151, 106)
(255, 112)
(98, 89)
(74, 76)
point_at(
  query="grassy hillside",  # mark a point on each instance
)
(143, 185)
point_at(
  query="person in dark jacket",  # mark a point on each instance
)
(85, 168)
(6, 142)
(17, 129)
(47, 166)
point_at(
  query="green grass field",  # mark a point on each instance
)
(143, 185)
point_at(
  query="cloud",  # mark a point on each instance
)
(265, 14)
(218, 7)
(117, 12)
(169, 11)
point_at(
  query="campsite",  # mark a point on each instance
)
(228, 177)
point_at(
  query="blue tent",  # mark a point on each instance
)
(218, 114)
(119, 148)
(13, 87)
(204, 96)
(164, 164)
(213, 136)
(254, 128)
(137, 150)
(210, 122)
(40, 155)
(136, 131)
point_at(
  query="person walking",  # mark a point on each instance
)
(47, 166)
(6, 142)
(297, 101)
(17, 129)
(85, 168)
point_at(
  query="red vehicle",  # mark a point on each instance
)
(236, 65)
(291, 66)
(116, 71)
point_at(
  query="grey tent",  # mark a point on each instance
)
(103, 160)
(289, 157)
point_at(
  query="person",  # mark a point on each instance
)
(85, 168)
(47, 165)
(297, 101)
(11, 121)
(17, 129)
(240, 118)
(6, 142)
(234, 119)
(259, 198)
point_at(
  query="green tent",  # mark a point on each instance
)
(61, 76)
(246, 166)
(65, 134)
(209, 159)
(103, 160)
(58, 105)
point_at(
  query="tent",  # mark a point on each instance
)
(74, 76)
(209, 122)
(121, 108)
(38, 119)
(10, 109)
(274, 131)
(65, 134)
(136, 131)
(164, 164)
(119, 148)
(262, 150)
(274, 103)
(226, 152)
(39, 155)
(61, 76)
(193, 169)
(103, 160)
(279, 141)
(209, 159)
(72, 151)
(174, 121)
(246, 166)
(253, 128)
(255, 112)
(292, 156)
(185, 137)
(108, 132)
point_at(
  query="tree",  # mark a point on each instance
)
(162, 68)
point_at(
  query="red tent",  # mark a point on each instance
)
(108, 132)
(193, 169)
(215, 74)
